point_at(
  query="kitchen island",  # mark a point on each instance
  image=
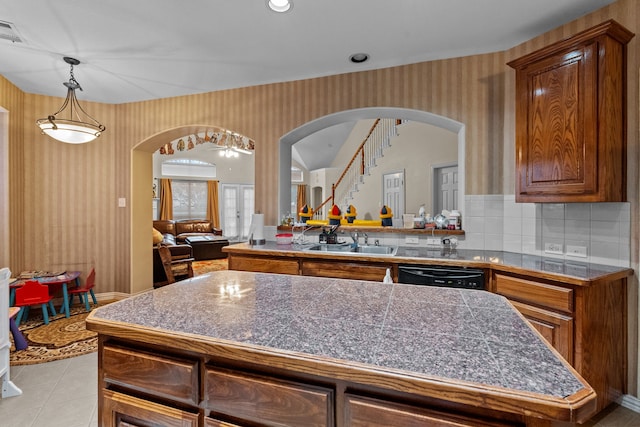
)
(580, 308)
(237, 348)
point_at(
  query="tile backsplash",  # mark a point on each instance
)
(497, 222)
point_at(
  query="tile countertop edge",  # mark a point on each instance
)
(577, 407)
(486, 259)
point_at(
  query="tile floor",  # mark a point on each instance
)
(64, 393)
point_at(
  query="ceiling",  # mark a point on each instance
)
(135, 50)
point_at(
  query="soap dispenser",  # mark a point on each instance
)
(387, 277)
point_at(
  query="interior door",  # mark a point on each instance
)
(393, 193)
(445, 192)
(236, 206)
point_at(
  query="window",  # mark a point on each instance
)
(189, 199)
(296, 174)
(294, 201)
(188, 168)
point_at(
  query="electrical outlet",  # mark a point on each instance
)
(434, 241)
(553, 248)
(411, 240)
(577, 251)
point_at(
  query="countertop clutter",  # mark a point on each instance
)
(468, 348)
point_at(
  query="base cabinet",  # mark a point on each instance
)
(123, 410)
(367, 412)
(556, 328)
(346, 270)
(228, 394)
(267, 400)
(548, 307)
(261, 264)
(585, 324)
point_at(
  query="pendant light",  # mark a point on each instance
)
(79, 127)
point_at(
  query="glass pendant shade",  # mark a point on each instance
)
(69, 131)
(79, 127)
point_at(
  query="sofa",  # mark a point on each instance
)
(168, 239)
(174, 234)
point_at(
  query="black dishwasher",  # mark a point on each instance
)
(449, 277)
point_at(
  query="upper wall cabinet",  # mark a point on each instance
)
(571, 119)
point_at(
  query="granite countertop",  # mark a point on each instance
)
(469, 336)
(572, 270)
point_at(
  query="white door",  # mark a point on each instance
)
(393, 193)
(446, 189)
(236, 207)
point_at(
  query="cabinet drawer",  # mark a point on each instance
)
(543, 294)
(164, 376)
(345, 270)
(366, 412)
(123, 410)
(264, 265)
(210, 422)
(267, 400)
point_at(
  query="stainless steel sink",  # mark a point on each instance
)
(378, 250)
(349, 249)
(324, 247)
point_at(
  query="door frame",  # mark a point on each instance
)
(434, 182)
(240, 201)
(397, 215)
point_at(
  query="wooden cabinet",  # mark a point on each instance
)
(556, 328)
(264, 264)
(549, 309)
(585, 324)
(571, 119)
(122, 410)
(267, 400)
(230, 393)
(367, 412)
(346, 270)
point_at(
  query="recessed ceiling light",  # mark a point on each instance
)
(359, 58)
(280, 5)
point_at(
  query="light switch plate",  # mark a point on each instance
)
(122, 202)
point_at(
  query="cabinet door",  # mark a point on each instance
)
(263, 265)
(556, 150)
(367, 412)
(210, 422)
(266, 400)
(121, 410)
(556, 328)
(155, 374)
(345, 270)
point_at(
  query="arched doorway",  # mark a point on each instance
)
(141, 202)
(288, 140)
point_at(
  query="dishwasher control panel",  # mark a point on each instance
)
(450, 277)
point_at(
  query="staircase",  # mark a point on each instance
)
(363, 160)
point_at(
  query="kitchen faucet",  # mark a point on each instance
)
(355, 236)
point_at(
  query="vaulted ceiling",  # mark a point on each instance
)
(147, 49)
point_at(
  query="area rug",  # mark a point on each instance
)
(67, 337)
(207, 266)
(62, 338)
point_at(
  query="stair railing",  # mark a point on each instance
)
(371, 148)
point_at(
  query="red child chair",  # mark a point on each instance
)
(85, 290)
(33, 293)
